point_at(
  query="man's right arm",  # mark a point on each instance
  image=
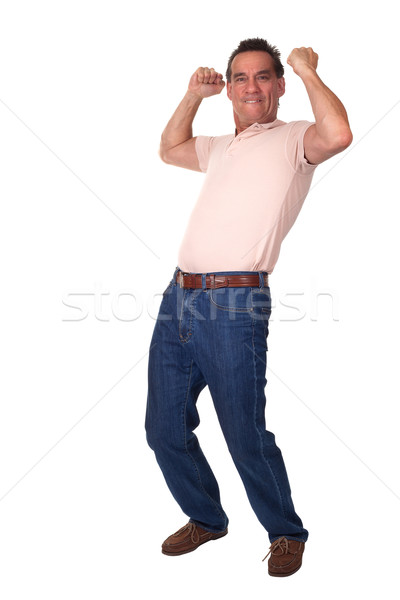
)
(177, 142)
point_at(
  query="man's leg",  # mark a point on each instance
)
(174, 384)
(233, 360)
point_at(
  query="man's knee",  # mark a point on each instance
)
(160, 438)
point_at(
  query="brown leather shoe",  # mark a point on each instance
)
(286, 557)
(187, 539)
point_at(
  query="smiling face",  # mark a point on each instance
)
(254, 89)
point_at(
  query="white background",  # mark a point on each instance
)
(88, 208)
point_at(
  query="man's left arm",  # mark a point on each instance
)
(331, 132)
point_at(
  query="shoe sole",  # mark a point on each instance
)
(217, 536)
(284, 574)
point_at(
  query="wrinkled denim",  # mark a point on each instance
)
(216, 337)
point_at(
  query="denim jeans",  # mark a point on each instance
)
(216, 337)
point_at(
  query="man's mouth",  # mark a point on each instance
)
(252, 101)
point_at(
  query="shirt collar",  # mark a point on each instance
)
(258, 127)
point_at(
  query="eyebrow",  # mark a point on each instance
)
(263, 72)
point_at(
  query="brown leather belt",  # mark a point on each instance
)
(194, 280)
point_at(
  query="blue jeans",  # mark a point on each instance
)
(216, 337)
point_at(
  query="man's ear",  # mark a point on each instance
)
(228, 90)
(281, 86)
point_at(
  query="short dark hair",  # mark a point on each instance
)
(254, 44)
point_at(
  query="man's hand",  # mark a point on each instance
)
(302, 60)
(206, 82)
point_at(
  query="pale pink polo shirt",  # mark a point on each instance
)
(254, 188)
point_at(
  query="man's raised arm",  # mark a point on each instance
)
(331, 133)
(177, 145)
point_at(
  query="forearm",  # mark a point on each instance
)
(331, 119)
(179, 127)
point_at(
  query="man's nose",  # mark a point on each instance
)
(252, 85)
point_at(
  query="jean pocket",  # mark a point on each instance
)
(261, 300)
(232, 299)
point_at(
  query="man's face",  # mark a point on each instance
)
(254, 89)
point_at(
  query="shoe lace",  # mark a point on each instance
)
(281, 544)
(191, 529)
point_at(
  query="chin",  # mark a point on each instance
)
(254, 117)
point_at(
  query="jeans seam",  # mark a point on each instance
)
(257, 429)
(188, 453)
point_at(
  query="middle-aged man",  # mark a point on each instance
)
(212, 325)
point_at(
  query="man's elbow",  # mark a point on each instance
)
(163, 154)
(342, 140)
(345, 139)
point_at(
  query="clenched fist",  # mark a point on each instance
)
(206, 82)
(302, 59)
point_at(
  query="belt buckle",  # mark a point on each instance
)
(179, 279)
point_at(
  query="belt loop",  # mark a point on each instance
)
(203, 281)
(260, 279)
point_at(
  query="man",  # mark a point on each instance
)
(212, 326)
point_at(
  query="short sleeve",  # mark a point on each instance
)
(295, 147)
(203, 146)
